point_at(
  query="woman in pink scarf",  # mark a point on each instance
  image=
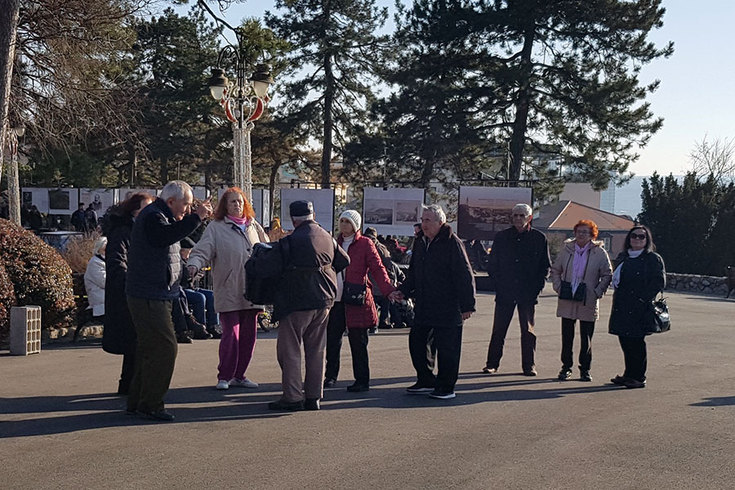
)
(580, 274)
(226, 245)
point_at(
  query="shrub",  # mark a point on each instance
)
(78, 252)
(38, 274)
(7, 300)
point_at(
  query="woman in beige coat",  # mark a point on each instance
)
(226, 245)
(582, 273)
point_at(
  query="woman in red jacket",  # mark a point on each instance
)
(345, 314)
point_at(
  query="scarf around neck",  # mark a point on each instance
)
(581, 255)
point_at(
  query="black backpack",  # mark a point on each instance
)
(263, 272)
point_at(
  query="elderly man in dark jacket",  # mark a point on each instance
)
(154, 269)
(519, 264)
(440, 280)
(307, 288)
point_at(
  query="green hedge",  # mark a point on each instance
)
(33, 273)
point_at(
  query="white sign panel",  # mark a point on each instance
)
(35, 196)
(392, 211)
(484, 211)
(322, 199)
(125, 192)
(100, 199)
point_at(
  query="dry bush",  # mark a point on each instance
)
(79, 250)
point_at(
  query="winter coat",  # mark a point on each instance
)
(118, 336)
(364, 258)
(519, 264)
(94, 283)
(641, 279)
(440, 280)
(154, 263)
(226, 248)
(309, 269)
(597, 277)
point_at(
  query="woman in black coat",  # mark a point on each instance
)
(118, 336)
(639, 276)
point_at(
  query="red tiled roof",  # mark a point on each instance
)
(563, 215)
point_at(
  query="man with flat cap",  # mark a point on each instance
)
(306, 292)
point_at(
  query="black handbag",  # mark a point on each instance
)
(658, 318)
(565, 292)
(354, 294)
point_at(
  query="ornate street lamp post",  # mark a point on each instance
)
(243, 100)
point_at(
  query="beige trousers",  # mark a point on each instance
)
(310, 328)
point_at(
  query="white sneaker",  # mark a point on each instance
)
(223, 385)
(243, 383)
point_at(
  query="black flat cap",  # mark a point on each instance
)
(301, 208)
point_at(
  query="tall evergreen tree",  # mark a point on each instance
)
(333, 64)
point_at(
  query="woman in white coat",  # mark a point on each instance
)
(226, 245)
(580, 275)
(94, 279)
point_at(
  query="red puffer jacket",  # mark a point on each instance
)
(363, 258)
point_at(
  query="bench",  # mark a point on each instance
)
(730, 280)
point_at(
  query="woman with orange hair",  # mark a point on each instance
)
(226, 245)
(580, 274)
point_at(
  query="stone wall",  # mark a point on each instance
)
(696, 284)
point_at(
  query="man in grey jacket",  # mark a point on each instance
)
(154, 270)
(306, 292)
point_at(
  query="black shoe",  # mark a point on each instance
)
(584, 375)
(442, 395)
(373, 330)
(215, 331)
(619, 380)
(159, 415)
(358, 387)
(634, 383)
(200, 331)
(489, 370)
(565, 374)
(330, 382)
(183, 338)
(286, 406)
(312, 404)
(420, 388)
(530, 372)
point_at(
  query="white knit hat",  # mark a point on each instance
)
(354, 218)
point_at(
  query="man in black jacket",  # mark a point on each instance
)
(440, 280)
(154, 269)
(310, 261)
(518, 264)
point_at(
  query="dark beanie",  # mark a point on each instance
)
(301, 208)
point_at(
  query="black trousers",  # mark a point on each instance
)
(358, 338)
(127, 373)
(501, 321)
(636, 362)
(586, 330)
(447, 343)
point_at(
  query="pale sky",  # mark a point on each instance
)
(696, 96)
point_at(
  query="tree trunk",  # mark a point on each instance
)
(523, 102)
(164, 170)
(272, 187)
(8, 31)
(328, 123)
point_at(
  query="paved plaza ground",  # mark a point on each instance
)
(60, 426)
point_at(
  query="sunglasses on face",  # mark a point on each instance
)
(638, 236)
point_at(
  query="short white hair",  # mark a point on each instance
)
(300, 219)
(99, 244)
(523, 208)
(437, 211)
(177, 189)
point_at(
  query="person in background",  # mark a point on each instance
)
(90, 217)
(639, 276)
(386, 308)
(78, 220)
(200, 300)
(226, 245)
(440, 279)
(154, 270)
(94, 280)
(118, 335)
(518, 264)
(583, 263)
(356, 319)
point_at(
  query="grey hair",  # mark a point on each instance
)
(438, 212)
(99, 244)
(522, 207)
(299, 219)
(176, 189)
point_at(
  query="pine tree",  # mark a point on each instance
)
(333, 65)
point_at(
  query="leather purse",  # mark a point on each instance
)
(565, 291)
(657, 316)
(354, 294)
